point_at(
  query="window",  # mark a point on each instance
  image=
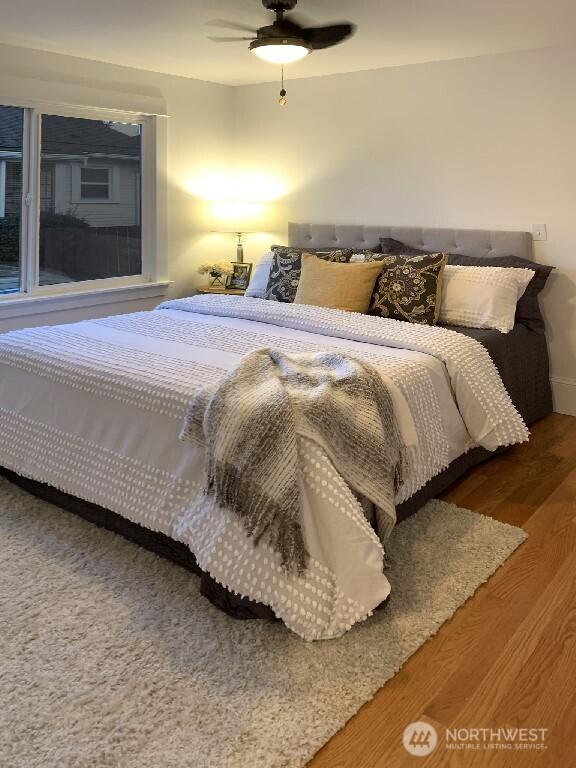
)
(95, 183)
(82, 239)
(71, 197)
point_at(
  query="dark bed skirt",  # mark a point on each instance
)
(440, 483)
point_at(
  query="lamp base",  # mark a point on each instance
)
(239, 249)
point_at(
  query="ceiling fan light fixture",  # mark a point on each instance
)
(280, 51)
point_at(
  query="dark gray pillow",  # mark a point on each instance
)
(527, 310)
(396, 248)
(287, 266)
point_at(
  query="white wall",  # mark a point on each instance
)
(195, 139)
(486, 142)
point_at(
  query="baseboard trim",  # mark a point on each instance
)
(564, 394)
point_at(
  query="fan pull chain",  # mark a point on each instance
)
(282, 100)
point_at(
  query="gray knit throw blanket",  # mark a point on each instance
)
(251, 425)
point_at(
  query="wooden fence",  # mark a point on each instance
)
(90, 253)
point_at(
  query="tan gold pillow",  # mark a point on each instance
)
(337, 286)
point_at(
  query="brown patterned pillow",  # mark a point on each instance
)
(409, 287)
(287, 266)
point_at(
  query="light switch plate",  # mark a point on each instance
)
(539, 232)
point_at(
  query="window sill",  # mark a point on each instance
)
(38, 304)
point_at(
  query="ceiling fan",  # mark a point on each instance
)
(286, 40)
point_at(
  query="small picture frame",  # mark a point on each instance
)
(240, 277)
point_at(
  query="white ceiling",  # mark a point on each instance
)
(171, 35)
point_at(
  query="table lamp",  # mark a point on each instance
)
(238, 217)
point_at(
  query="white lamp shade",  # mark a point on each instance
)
(238, 216)
(283, 53)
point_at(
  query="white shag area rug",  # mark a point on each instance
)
(110, 657)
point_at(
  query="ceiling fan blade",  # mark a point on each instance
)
(224, 24)
(300, 19)
(229, 39)
(325, 37)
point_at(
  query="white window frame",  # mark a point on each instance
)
(60, 295)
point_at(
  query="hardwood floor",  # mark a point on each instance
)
(507, 658)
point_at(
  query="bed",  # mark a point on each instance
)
(90, 415)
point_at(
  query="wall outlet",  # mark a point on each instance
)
(539, 232)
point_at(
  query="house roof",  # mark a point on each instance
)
(68, 136)
(77, 136)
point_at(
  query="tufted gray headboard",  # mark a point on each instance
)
(471, 242)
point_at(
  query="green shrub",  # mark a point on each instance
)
(62, 221)
(10, 240)
(10, 232)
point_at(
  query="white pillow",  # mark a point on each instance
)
(259, 279)
(482, 297)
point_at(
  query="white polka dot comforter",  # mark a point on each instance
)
(95, 408)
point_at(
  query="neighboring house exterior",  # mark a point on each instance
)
(88, 169)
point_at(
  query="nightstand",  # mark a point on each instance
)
(221, 289)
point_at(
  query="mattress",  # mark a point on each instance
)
(93, 409)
